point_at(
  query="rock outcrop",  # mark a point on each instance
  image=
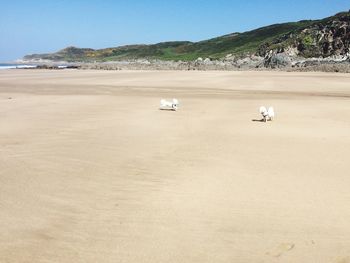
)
(327, 38)
(294, 45)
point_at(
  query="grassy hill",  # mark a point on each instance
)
(258, 41)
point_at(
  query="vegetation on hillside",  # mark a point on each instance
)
(304, 35)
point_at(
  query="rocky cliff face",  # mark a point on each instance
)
(330, 37)
(297, 44)
(326, 38)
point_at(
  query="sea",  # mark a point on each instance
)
(14, 65)
(28, 66)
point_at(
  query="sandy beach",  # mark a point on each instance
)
(92, 171)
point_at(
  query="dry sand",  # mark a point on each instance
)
(92, 171)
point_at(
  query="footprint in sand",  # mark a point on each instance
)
(281, 249)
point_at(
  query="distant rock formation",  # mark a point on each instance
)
(307, 43)
(324, 41)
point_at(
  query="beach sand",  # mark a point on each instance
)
(92, 171)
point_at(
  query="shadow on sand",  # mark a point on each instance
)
(258, 120)
(168, 109)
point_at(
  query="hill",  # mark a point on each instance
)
(307, 38)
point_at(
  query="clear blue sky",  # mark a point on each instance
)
(45, 26)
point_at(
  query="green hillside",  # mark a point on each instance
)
(258, 41)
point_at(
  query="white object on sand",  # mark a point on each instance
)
(169, 105)
(268, 114)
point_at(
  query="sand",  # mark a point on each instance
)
(92, 171)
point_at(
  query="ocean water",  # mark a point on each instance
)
(12, 66)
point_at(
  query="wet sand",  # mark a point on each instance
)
(92, 171)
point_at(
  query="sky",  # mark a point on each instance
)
(36, 26)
